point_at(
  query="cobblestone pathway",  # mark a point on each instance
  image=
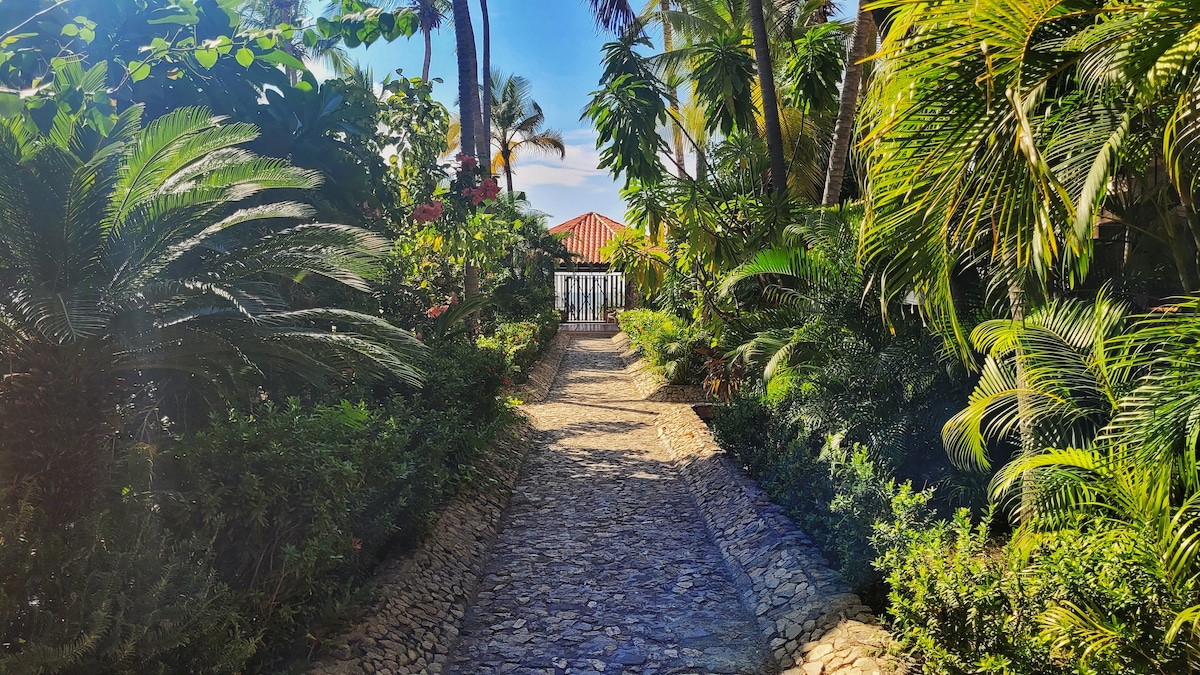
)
(604, 564)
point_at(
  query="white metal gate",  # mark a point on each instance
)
(587, 297)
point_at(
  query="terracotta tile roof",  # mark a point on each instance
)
(586, 234)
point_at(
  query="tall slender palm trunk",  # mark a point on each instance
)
(469, 120)
(428, 54)
(673, 94)
(1016, 308)
(485, 134)
(468, 76)
(843, 131)
(506, 155)
(766, 83)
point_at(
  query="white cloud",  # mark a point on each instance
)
(577, 169)
(319, 69)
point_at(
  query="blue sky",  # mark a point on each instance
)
(556, 45)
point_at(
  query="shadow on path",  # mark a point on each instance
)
(604, 564)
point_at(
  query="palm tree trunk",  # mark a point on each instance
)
(468, 79)
(1016, 308)
(843, 131)
(507, 157)
(469, 119)
(672, 94)
(766, 83)
(428, 54)
(486, 91)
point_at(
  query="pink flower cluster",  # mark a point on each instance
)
(426, 213)
(466, 162)
(369, 212)
(488, 189)
(438, 310)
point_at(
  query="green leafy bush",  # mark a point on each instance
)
(833, 491)
(113, 593)
(668, 344)
(301, 501)
(298, 500)
(955, 600)
(964, 602)
(228, 548)
(523, 342)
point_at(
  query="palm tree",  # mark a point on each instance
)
(662, 15)
(614, 15)
(473, 138)
(268, 14)
(770, 100)
(517, 124)
(843, 132)
(486, 129)
(468, 82)
(430, 15)
(1074, 366)
(157, 253)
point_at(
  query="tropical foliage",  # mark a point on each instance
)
(239, 368)
(517, 125)
(1008, 317)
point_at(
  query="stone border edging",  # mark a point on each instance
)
(650, 385)
(542, 374)
(416, 608)
(813, 623)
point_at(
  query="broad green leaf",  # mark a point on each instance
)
(282, 58)
(10, 104)
(139, 70)
(207, 57)
(245, 57)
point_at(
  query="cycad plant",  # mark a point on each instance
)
(156, 251)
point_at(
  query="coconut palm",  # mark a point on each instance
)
(843, 132)
(517, 125)
(430, 16)
(614, 15)
(995, 131)
(157, 253)
(486, 99)
(770, 100)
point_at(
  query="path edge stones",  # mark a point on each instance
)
(416, 608)
(418, 600)
(545, 371)
(812, 621)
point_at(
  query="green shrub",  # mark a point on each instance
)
(955, 601)
(297, 501)
(964, 603)
(301, 501)
(523, 342)
(113, 593)
(833, 491)
(668, 344)
(253, 533)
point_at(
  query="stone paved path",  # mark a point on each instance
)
(604, 565)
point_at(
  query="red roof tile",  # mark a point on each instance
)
(586, 234)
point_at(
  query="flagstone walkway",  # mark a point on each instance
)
(603, 564)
